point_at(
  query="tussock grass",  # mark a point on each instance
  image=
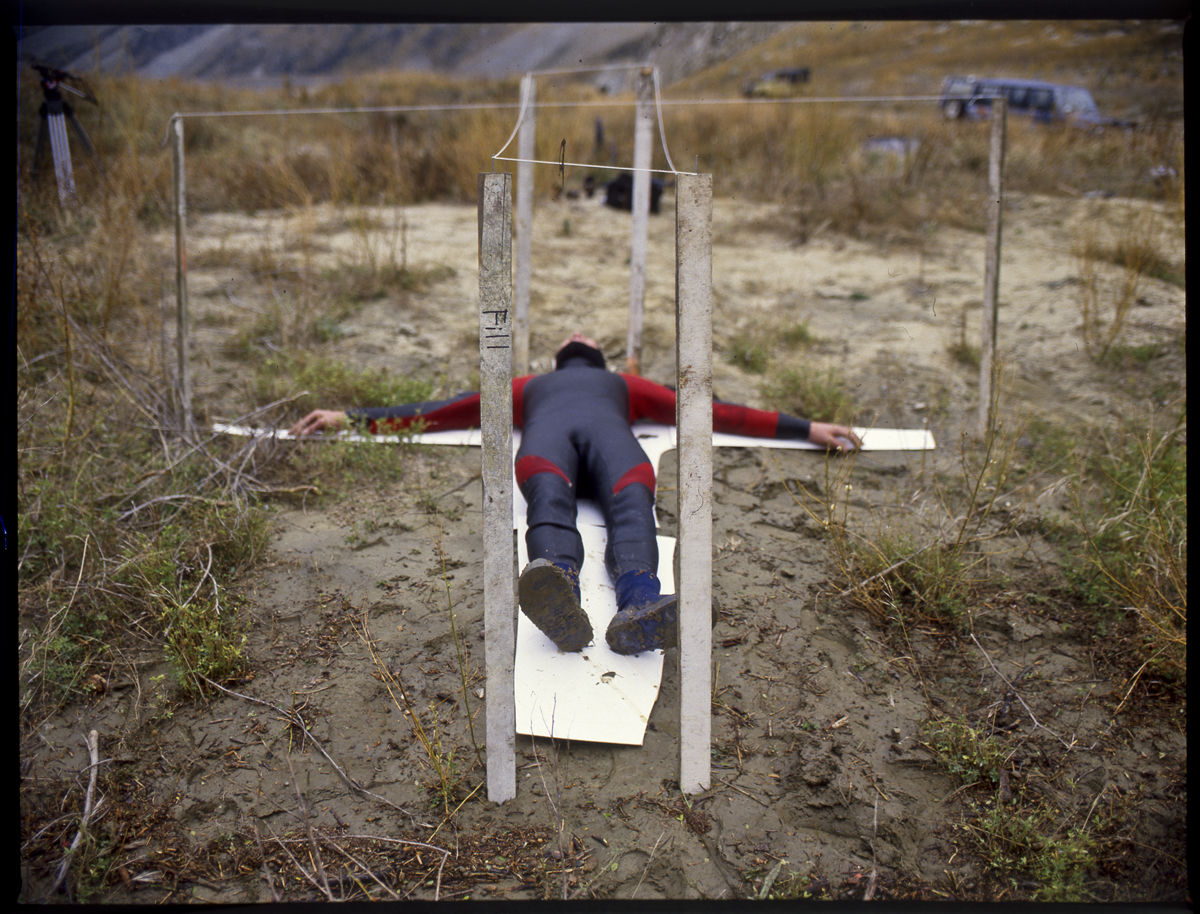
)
(823, 396)
(1133, 526)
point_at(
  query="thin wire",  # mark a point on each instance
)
(556, 163)
(526, 85)
(662, 134)
(611, 66)
(602, 103)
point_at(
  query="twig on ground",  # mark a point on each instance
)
(365, 869)
(318, 863)
(647, 867)
(305, 873)
(1038, 724)
(745, 793)
(870, 892)
(266, 870)
(299, 722)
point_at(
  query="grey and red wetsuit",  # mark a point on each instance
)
(576, 442)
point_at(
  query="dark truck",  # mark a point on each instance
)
(776, 83)
(970, 97)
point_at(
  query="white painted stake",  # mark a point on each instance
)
(693, 418)
(643, 132)
(524, 226)
(991, 278)
(495, 378)
(183, 377)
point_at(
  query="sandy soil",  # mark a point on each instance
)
(819, 756)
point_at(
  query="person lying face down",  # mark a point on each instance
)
(576, 442)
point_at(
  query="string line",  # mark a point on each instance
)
(556, 163)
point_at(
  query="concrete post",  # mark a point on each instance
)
(991, 279)
(183, 376)
(643, 133)
(525, 146)
(693, 416)
(495, 378)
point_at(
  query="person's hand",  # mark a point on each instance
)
(834, 437)
(319, 420)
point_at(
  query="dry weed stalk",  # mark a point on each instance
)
(440, 760)
(294, 719)
(1105, 300)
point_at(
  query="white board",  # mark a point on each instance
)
(655, 439)
(596, 695)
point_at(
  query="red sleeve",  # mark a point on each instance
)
(461, 412)
(519, 400)
(649, 401)
(656, 403)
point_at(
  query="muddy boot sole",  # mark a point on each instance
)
(654, 626)
(548, 598)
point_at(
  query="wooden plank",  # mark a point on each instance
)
(693, 419)
(499, 583)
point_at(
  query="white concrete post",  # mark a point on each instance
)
(693, 417)
(991, 278)
(643, 132)
(525, 146)
(495, 378)
(183, 376)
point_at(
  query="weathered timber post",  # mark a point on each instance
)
(495, 376)
(643, 132)
(183, 376)
(991, 278)
(525, 144)
(693, 417)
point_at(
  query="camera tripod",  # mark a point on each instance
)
(54, 114)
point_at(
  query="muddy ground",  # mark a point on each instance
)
(820, 754)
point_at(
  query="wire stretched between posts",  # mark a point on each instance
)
(526, 84)
(662, 133)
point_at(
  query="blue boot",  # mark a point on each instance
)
(645, 620)
(549, 596)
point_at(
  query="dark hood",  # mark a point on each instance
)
(577, 350)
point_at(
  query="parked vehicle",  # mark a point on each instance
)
(969, 97)
(776, 83)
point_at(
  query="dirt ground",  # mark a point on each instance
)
(819, 753)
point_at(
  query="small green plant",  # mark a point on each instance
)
(783, 882)
(747, 353)
(799, 334)
(327, 381)
(965, 752)
(818, 395)
(962, 351)
(205, 641)
(1033, 842)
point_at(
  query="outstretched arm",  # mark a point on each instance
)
(656, 403)
(457, 412)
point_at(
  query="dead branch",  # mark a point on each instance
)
(297, 721)
(1038, 724)
(93, 747)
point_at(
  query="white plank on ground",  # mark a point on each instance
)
(596, 695)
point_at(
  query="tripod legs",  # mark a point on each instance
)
(62, 157)
(54, 124)
(84, 141)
